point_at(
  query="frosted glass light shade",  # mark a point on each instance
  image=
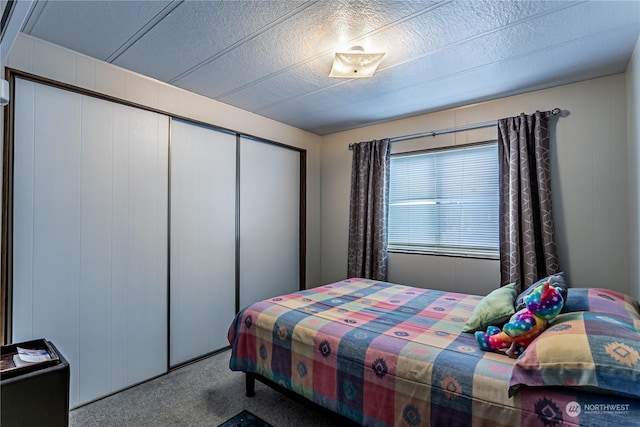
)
(355, 64)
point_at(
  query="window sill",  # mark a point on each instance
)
(444, 254)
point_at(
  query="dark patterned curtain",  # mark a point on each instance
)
(527, 244)
(369, 210)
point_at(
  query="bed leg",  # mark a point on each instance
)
(250, 384)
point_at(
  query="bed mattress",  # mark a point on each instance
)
(384, 354)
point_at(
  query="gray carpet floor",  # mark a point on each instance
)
(204, 393)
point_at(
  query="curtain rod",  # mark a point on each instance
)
(556, 111)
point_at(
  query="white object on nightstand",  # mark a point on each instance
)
(4, 92)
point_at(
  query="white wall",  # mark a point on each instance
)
(589, 179)
(633, 126)
(44, 59)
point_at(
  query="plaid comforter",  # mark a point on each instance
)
(383, 354)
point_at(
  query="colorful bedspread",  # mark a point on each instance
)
(383, 354)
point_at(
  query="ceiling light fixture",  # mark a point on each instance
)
(355, 64)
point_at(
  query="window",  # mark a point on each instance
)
(445, 201)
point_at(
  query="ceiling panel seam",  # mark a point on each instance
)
(415, 58)
(9, 7)
(34, 16)
(242, 41)
(166, 11)
(327, 52)
(486, 33)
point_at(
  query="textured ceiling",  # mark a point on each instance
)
(273, 57)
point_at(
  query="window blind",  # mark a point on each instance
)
(445, 201)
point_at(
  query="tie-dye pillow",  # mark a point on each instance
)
(591, 350)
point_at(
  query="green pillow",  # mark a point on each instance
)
(494, 309)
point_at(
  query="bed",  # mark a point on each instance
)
(384, 354)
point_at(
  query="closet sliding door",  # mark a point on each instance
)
(90, 235)
(269, 220)
(203, 212)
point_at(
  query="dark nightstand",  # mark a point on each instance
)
(35, 394)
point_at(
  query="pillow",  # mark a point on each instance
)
(493, 310)
(594, 351)
(601, 301)
(556, 280)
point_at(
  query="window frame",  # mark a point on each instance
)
(423, 250)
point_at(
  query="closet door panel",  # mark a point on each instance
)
(120, 249)
(269, 221)
(95, 243)
(203, 176)
(147, 244)
(23, 159)
(54, 230)
(90, 236)
(57, 215)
